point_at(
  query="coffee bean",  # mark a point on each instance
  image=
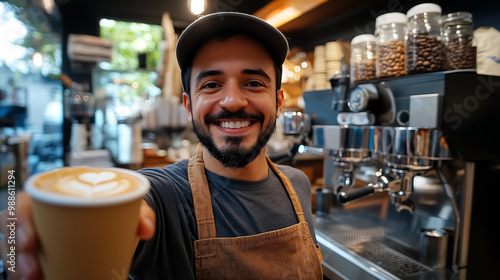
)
(391, 59)
(424, 53)
(460, 53)
(364, 70)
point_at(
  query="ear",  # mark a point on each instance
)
(187, 105)
(281, 96)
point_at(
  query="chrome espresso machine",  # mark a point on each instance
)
(411, 176)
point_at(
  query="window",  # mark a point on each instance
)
(131, 40)
(30, 91)
(26, 35)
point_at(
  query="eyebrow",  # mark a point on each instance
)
(259, 72)
(208, 73)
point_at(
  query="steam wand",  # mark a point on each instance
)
(288, 156)
(300, 148)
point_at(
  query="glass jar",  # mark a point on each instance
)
(423, 45)
(363, 57)
(457, 32)
(390, 31)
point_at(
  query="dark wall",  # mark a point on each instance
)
(77, 20)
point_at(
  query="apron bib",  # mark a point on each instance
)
(288, 253)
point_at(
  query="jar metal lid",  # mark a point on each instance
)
(363, 38)
(424, 8)
(390, 18)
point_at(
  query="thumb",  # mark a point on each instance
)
(147, 221)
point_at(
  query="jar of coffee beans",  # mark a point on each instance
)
(457, 32)
(424, 47)
(363, 57)
(390, 34)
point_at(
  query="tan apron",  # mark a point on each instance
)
(288, 253)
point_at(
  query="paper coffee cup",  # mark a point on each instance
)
(86, 220)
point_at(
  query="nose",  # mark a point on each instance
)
(234, 98)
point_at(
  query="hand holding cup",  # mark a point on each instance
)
(87, 221)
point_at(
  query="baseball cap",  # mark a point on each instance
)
(197, 33)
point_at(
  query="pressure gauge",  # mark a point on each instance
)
(360, 99)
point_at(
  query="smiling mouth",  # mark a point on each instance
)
(234, 124)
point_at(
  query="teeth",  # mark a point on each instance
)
(235, 124)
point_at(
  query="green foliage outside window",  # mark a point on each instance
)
(131, 39)
(25, 30)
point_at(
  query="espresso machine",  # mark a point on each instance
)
(411, 176)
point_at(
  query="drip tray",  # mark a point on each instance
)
(365, 251)
(389, 259)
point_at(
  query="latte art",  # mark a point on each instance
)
(93, 185)
(87, 182)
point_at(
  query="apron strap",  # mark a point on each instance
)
(201, 195)
(290, 190)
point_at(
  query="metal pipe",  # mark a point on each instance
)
(449, 192)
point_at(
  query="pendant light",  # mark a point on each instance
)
(197, 7)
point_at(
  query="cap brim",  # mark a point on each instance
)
(196, 34)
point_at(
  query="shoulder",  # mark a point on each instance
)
(168, 182)
(173, 171)
(293, 173)
(297, 177)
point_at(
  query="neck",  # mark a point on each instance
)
(254, 171)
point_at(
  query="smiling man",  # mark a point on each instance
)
(240, 216)
(228, 212)
(234, 102)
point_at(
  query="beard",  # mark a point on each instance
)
(231, 154)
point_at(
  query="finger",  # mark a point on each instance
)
(26, 263)
(26, 236)
(27, 268)
(147, 221)
(4, 235)
(17, 225)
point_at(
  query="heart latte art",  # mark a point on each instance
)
(87, 182)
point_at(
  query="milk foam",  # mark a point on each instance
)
(87, 182)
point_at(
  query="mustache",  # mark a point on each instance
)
(241, 114)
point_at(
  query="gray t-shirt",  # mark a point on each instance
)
(240, 208)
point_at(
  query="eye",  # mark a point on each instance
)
(254, 83)
(210, 85)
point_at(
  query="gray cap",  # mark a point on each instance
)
(196, 34)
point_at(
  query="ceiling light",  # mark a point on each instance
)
(279, 12)
(283, 16)
(197, 7)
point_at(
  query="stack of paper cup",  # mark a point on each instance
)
(333, 57)
(320, 80)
